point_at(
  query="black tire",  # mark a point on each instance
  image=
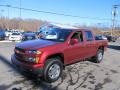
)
(99, 56)
(49, 65)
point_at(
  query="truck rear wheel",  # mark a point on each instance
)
(99, 56)
(52, 70)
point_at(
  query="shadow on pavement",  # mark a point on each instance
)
(114, 47)
(35, 81)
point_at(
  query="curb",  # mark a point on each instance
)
(8, 41)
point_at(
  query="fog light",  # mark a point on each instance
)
(31, 59)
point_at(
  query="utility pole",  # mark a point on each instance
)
(114, 15)
(20, 15)
(20, 9)
(2, 12)
(8, 17)
(8, 10)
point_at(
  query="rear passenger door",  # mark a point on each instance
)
(90, 44)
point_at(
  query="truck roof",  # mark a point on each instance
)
(78, 29)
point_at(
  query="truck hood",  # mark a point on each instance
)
(35, 44)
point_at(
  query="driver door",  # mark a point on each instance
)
(76, 51)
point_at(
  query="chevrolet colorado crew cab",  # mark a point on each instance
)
(57, 47)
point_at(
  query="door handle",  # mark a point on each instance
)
(90, 45)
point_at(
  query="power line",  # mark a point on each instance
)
(60, 14)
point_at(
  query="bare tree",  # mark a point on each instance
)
(21, 24)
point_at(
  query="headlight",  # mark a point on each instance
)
(34, 52)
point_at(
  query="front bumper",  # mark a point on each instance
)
(36, 69)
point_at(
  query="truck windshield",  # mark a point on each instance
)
(15, 33)
(54, 34)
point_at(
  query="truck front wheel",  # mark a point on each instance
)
(52, 70)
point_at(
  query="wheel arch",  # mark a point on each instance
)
(57, 55)
(101, 48)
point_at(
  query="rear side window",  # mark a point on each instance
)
(89, 36)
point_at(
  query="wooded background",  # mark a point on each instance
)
(34, 25)
(21, 24)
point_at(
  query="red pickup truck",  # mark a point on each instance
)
(57, 48)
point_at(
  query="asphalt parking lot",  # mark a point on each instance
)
(84, 75)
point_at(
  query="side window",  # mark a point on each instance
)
(88, 35)
(78, 35)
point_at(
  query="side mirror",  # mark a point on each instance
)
(74, 41)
